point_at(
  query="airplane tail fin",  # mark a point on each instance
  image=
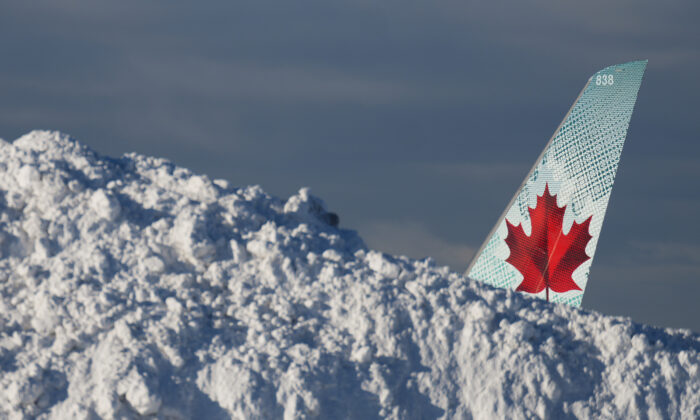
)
(545, 240)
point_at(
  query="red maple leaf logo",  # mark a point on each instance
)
(547, 258)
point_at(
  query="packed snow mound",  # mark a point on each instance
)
(132, 287)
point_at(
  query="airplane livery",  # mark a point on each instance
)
(544, 242)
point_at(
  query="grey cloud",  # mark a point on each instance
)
(414, 239)
(666, 253)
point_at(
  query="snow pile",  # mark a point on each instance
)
(132, 287)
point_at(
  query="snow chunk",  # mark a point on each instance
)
(238, 389)
(105, 205)
(28, 176)
(382, 264)
(138, 394)
(200, 188)
(190, 236)
(309, 209)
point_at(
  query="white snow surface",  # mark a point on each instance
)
(134, 288)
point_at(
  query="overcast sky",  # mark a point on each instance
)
(415, 121)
